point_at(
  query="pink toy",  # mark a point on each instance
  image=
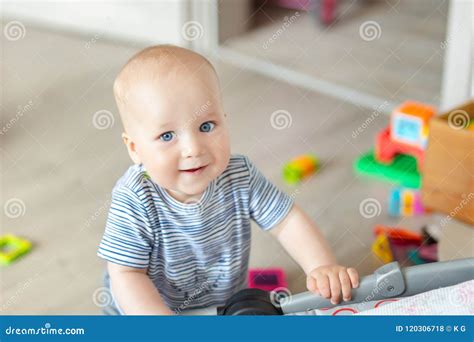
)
(267, 279)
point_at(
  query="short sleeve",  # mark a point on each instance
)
(127, 239)
(268, 204)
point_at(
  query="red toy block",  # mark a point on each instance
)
(399, 235)
(386, 149)
(406, 134)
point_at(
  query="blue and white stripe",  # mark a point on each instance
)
(196, 254)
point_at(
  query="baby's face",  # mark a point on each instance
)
(181, 135)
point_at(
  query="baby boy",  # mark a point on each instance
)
(178, 231)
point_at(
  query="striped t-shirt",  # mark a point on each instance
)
(196, 253)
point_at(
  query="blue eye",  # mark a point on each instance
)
(207, 126)
(167, 136)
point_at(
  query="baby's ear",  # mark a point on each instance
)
(131, 148)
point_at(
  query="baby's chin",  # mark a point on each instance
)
(194, 187)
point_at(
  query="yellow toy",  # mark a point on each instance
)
(12, 247)
(381, 248)
(299, 168)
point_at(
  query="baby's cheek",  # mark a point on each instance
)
(163, 174)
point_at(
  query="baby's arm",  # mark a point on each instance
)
(307, 246)
(135, 292)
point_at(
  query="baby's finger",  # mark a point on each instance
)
(311, 284)
(354, 275)
(335, 285)
(323, 285)
(345, 284)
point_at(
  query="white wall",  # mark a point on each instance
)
(145, 21)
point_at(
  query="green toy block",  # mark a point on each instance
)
(401, 171)
(12, 247)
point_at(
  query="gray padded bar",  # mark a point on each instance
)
(392, 281)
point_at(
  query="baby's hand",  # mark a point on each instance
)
(331, 280)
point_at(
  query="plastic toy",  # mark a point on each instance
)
(414, 257)
(407, 133)
(399, 235)
(393, 243)
(402, 171)
(299, 168)
(405, 202)
(381, 248)
(12, 247)
(424, 254)
(267, 279)
(429, 252)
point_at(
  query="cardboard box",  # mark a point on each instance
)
(448, 173)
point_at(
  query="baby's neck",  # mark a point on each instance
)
(184, 198)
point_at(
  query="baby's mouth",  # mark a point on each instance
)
(195, 170)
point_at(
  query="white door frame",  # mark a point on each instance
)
(206, 14)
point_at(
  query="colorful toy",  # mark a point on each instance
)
(400, 235)
(407, 133)
(405, 202)
(12, 247)
(403, 245)
(414, 257)
(299, 168)
(429, 252)
(381, 248)
(267, 279)
(424, 254)
(393, 243)
(402, 171)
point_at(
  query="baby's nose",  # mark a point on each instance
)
(192, 147)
